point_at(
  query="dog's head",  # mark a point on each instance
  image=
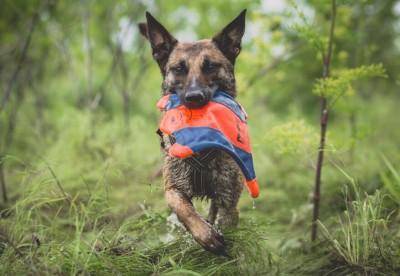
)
(196, 70)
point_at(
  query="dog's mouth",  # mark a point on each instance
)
(195, 104)
(197, 98)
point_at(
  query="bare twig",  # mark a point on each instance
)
(324, 124)
(19, 93)
(3, 181)
(7, 94)
(20, 61)
(58, 183)
(119, 62)
(89, 50)
(8, 141)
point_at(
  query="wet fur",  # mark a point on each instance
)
(223, 186)
(209, 65)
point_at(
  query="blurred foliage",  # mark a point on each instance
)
(337, 86)
(391, 180)
(80, 157)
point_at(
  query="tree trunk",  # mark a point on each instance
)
(323, 126)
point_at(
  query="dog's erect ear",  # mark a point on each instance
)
(230, 38)
(143, 29)
(162, 42)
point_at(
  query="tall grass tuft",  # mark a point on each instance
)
(391, 180)
(362, 239)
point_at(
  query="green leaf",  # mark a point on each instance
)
(339, 83)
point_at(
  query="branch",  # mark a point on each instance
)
(323, 124)
(58, 183)
(21, 61)
(89, 51)
(328, 56)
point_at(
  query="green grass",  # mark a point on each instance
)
(86, 202)
(363, 241)
(50, 234)
(391, 180)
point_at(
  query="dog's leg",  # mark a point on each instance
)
(228, 217)
(226, 201)
(200, 229)
(212, 212)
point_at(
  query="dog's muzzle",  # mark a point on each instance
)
(196, 98)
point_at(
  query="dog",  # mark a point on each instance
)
(195, 71)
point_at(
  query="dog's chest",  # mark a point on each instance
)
(206, 175)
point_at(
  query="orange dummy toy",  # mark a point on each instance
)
(220, 124)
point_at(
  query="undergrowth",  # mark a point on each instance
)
(363, 242)
(51, 232)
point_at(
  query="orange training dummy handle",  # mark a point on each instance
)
(252, 187)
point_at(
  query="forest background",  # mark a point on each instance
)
(79, 157)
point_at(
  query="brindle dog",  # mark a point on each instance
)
(195, 71)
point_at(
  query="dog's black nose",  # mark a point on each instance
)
(196, 96)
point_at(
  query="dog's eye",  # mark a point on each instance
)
(209, 66)
(179, 69)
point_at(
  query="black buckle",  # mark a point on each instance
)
(162, 143)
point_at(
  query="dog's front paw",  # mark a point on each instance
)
(209, 238)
